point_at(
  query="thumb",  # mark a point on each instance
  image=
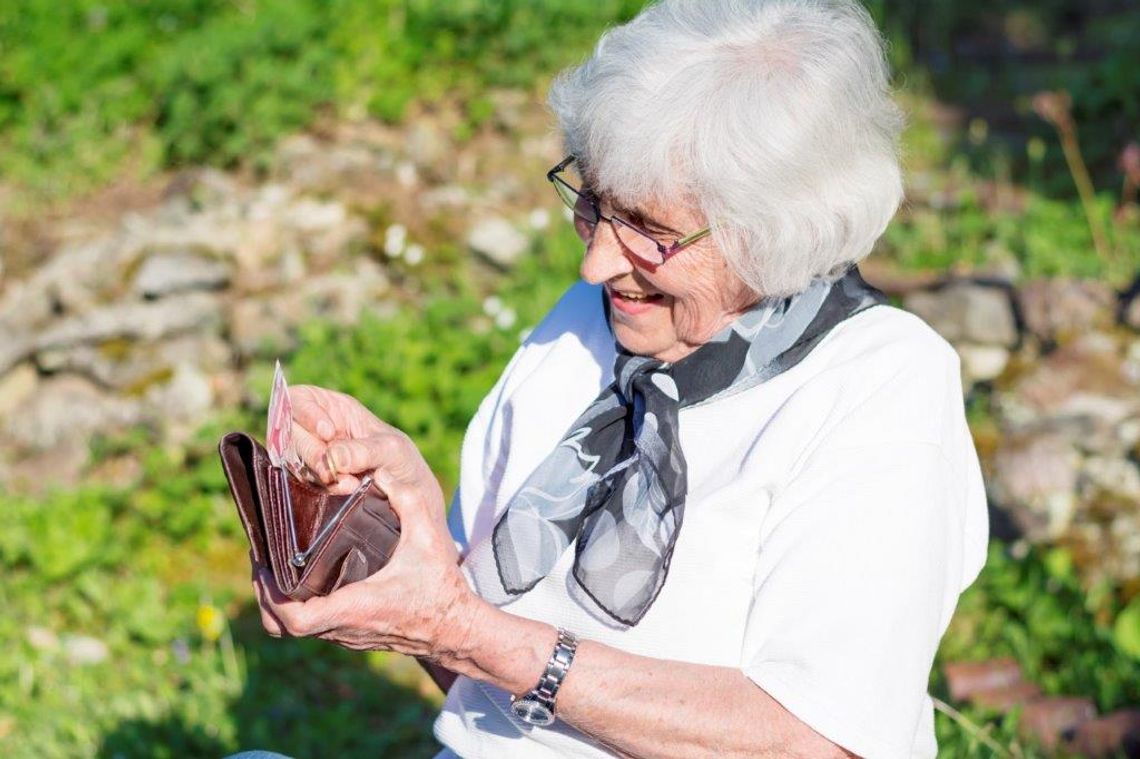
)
(312, 452)
(397, 468)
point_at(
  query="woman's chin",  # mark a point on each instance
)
(637, 341)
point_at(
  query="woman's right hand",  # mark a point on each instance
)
(321, 417)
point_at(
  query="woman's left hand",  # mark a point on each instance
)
(419, 603)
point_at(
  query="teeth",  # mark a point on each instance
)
(632, 296)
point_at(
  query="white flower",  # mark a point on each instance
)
(414, 254)
(492, 305)
(406, 174)
(506, 318)
(539, 218)
(395, 237)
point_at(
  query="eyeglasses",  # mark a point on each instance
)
(636, 240)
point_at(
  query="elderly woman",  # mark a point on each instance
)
(723, 499)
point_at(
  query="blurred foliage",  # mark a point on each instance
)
(88, 88)
(1028, 604)
(91, 89)
(157, 571)
(155, 578)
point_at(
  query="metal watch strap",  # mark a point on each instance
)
(537, 706)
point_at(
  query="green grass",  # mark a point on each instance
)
(157, 571)
(90, 91)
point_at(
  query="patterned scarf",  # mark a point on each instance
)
(617, 481)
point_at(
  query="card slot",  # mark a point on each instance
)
(310, 507)
(323, 551)
(281, 552)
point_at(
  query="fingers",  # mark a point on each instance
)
(393, 453)
(345, 484)
(269, 620)
(281, 615)
(310, 410)
(330, 415)
(313, 453)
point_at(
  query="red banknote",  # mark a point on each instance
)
(279, 428)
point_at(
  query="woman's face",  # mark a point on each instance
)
(670, 310)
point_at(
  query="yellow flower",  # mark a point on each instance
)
(211, 622)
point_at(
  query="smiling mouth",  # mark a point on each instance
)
(634, 297)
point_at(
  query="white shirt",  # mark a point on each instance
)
(833, 517)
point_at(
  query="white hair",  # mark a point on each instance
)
(771, 118)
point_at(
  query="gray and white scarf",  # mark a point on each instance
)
(617, 481)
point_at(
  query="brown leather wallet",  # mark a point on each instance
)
(313, 541)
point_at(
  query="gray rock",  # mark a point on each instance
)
(1132, 313)
(342, 296)
(310, 215)
(1082, 391)
(1110, 475)
(67, 409)
(338, 243)
(130, 367)
(497, 240)
(187, 397)
(981, 363)
(215, 234)
(168, 273)
(510, 108)
(24, 307)
(14, 349)
(964, 312)
(445, 197)
(263, 326)
(42, 638)
(84, 650)
(16, 387)
(426, 144)
(313, 166)
(70, 282)
(139, 321)
(1056, 308)
(1034, 480)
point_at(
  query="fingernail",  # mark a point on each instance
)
(330, 462)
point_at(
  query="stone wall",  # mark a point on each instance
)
(1051, 369)
(150, 317)
(152, 320)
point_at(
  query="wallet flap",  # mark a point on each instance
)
(238, 452)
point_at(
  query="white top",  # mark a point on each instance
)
(834, 515)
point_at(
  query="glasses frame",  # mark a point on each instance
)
(666, 251)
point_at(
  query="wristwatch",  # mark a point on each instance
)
(537, 706)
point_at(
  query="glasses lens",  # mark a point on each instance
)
(637, 242)
(576, 202)
(585, 213)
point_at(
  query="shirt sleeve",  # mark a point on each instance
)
(861, 562)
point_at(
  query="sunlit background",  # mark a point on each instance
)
(190, 189)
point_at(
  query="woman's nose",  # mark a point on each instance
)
(605, 257)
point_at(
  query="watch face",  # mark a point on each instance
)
(533, 711)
